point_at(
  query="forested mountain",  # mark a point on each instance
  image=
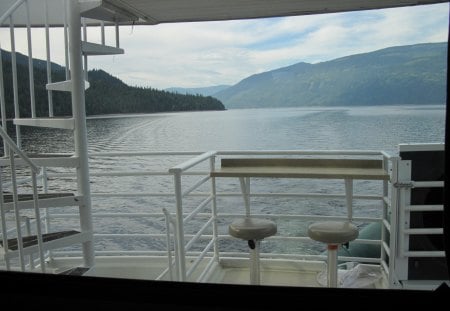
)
(122, 98)
(415, 74)
(106, 94)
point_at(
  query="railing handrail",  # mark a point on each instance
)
(192, 162)
(11, 10)
(13, 146)
(304, 152)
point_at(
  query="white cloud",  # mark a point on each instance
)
(204, 54)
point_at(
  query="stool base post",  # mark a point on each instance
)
(332, 265)
(254, 264)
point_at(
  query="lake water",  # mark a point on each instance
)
(374, 128)
(379, 128)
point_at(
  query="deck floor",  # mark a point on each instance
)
(229, 271)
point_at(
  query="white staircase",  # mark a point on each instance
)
(16, 199)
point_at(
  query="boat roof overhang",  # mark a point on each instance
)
(151, 12)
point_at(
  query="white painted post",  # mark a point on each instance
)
(245, 188)
(14, 77)
(393, 234)
(2, 101)
(212, 164)
(49, 65)
(80, 133)
(254, 264)
(30, 63)
(332, 274)
(180, 227)
(349, 198)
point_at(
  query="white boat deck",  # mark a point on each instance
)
(230, 271)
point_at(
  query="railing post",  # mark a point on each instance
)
(349, 198)
(28, 232)
(37, 214)
(49, 66)
(30, 63)
(14, 80)
(16, 209)
(80, 132)
(2, 101)
(180, 228)
(393, 245)
(212, 165)
(3, 222)
(385, 214)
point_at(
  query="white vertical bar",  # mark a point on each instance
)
(66, 42)
(16, 210)
(401, 263)
(254, 264)
(3, 222)
(117, 36)
(245, 189)
(85, 58)
(405, 195)
(349, 197)
(46, 210)
(28, 232)
(169, 252)
(49, 65)
(332, 272)
(384, 206)
(2, 101)
(14, 77)
(30, 63)
(180, 227)
(393, 225)
(80, 133)
(212, 164)
(37, 214)
(103, 32)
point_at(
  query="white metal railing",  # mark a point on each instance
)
(197, 206)
(13, 189)
(182, 192)
(101, 194)
(406, 231)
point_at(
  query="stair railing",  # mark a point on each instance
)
(15, 150)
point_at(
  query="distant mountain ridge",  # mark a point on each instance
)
(205, 91)
(414, 74)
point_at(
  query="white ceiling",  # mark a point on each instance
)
(172, 11)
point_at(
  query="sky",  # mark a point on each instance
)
(214, 53)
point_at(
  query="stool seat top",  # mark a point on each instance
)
(333, 232)
(249, 228)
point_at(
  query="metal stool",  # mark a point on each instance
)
(253, 230)
(333, 233)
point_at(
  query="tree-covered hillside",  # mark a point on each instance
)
(106, 94)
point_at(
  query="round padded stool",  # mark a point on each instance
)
(253, 230)
(333, 233)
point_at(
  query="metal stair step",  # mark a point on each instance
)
(63, 86)
(7, 198)
(45, 200)
(75, 271)
(50, 241)
(105, 11)
(32, 239)
(90, 48)
(61, 123)
(46, 159)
